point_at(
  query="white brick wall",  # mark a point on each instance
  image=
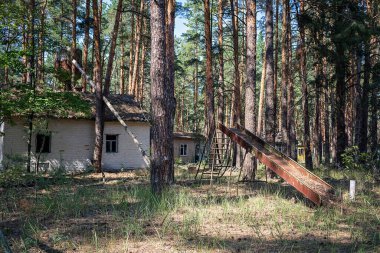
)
(190, 157)
(128, 155)
(72, 143)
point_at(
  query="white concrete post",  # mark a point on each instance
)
(1, 144)
(352, 189)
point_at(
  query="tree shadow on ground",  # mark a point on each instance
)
(248, 189)
(102, 214)
(253, 244)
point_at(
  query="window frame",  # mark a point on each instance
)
(183, 147)
(48, 143)
(116, 141)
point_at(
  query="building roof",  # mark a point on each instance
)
(125, 105)
(184, 135)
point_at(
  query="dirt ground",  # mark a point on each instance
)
(83, 213)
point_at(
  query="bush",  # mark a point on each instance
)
(16, 176)
(364, 162)
(354, 160)
(14, 172)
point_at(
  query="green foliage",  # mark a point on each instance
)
(354, 160)
(365, 162)
(23, 100)
(13, 173)
(11, 59)
(178, 161)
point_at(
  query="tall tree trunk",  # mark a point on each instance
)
(41, 49)
(24, 57)
(292, 140)
(340, 73)
(139, 26)
(333, 125)
(374, 115)
(260, 120)
(86, 44)
(350, 104)
(270, 127)
(122, 64)
(93, 61)
(283, 125)
(31, 77)
(131, 45)
(341, 135)
(236, 103)
(317, 123)
(363, 139)
(170, 75)
(364, 102)
(358, 94)
(373, 11)
(305, 94)
(73, 44)
(179, 109)
(196, 86)
(327, 114)
(270, 131)
(210, 124)
(142, 67)
(111, 56)
(162, 104)
(99, 114)
(221, 63)
(236, 111)
(250, 85)
(275, 67)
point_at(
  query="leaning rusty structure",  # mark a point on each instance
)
(303, 180)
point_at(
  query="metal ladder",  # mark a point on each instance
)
(218, 158)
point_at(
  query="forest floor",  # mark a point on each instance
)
(82, 213)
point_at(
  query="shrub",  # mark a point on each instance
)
(14, 172)
(354, 160)
(364, 162)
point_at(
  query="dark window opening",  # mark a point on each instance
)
(43, 143)
(183, 150)
(111, 143)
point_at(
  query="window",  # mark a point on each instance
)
(43, 143)
(111, 143)
(183, 150)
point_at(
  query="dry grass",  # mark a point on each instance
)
(83, 214)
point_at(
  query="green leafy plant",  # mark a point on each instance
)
(23, 100)
(13, 173)
(356, 161)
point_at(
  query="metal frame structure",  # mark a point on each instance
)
(218, 156)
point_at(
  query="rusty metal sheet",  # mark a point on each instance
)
(296, 165)
(289, 168)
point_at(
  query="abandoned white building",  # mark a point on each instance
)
(187, 147)
(68, 142)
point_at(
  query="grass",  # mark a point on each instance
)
(83, 214)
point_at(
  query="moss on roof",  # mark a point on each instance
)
(125, 105)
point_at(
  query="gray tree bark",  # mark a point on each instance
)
(305, 99)
(270, 131)
(99, 115)
(250, 164)
(210, 124)
(163, 106)
(111, 56)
